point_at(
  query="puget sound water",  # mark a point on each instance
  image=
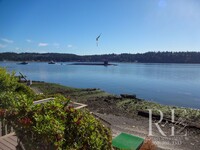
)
(170, 84)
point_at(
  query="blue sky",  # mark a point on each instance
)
(126, 26)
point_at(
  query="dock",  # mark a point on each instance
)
(9, 142)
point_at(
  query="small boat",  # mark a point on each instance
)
(51, 62)
(23, 63)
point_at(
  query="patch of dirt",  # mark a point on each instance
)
(188, 139)
(121, 121)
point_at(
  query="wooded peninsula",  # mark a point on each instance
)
(148, 57)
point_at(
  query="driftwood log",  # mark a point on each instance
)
(128, 96)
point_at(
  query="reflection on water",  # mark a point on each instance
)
(172, 84)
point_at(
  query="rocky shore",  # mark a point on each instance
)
(123, 115)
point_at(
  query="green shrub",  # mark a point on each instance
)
(44, 124)
(50, 125)
(84, 132)
(8, 82)
(53, 125)
(23, 89)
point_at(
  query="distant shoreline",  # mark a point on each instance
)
(113, 62)
(148, 57)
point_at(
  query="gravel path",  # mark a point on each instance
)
(36, 90)
(139, 126)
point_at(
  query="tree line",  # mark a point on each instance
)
(148, 57)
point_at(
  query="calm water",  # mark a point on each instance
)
(172, 84)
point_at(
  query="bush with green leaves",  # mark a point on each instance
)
(84, 132)
(8, 82)
(53, 125)
(50, 125)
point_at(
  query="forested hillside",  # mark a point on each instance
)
(149, 57)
